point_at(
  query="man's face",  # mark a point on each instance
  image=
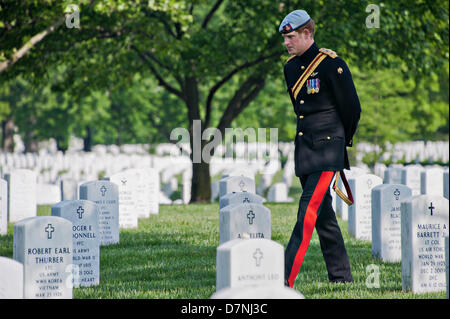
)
(296, 43)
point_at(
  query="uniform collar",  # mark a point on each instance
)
(310, 53)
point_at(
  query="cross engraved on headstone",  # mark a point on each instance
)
(369, 183)
(246, 200)
(80, 212)
(396, 194)
(103, 190)
(49, 229)
(258, 255)
(431, 208)
(124, 182)
(250, 217)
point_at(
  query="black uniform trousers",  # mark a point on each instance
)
(315, 210)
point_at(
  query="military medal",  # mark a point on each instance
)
(312, 86)
(308, 86)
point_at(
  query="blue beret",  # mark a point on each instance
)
(294, 20)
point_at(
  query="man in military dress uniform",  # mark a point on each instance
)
(328, 110)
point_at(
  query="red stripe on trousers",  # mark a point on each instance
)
(309, 222)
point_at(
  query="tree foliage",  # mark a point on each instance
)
(212, 58)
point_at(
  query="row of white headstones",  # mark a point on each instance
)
(249, 265)
(402, 226)
(52, 261)
(53, 254)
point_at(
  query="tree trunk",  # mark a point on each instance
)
(201, 178)
(87, 140)
(8, 135)
(61, 145)
(31, 144)
(201, 183)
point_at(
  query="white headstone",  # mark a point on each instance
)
(142, 190)
(393, 175)
(214, 190)
(341, 206)
(431, 181)
(47, 194)
(446, 180)
(257, 292)
(86, 242)
(249, 262)
(238, 172)
(360, 213)
(153, 189)
(21, 194)
(186, 186)
(411, 178)
(128, 216)
(446, 264)
(424, 223)
(44, 246)
(249, 218)
(106, 195)
(11, 279)
(278, 193)
(239, 198)
(69, 189)
(233, 184)
(379, 169)
(3, 207)
(386, 222)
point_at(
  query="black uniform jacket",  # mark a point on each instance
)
(327, 120)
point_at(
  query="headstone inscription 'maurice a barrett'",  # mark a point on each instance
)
(386, 222)
(106, 195)
(44, 246)
(424, 227)
(86, 243)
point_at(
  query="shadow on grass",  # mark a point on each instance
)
(154, 265)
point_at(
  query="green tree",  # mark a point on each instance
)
(196, 49)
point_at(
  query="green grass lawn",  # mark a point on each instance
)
(173, 255)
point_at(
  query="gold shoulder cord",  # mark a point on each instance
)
(347, 200)
(309, 70)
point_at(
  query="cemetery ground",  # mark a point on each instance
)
(173, 255)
